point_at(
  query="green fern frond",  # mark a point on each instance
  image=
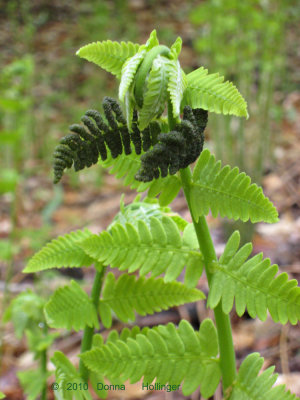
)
(157, 249)
(61, 252)
(251, 385)
(176, 86)
(127, 166)
(150, 208)
(128, 71)
(227, 192)
(168, 354)
(65, 373)
(253, 285)
(108, 55)
(71, 308)
(208, 91)
(156, 92)
(145, 296)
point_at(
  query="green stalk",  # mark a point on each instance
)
(227, 354)
(43, 366)
(88, 333)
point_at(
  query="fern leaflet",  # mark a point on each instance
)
(252, 284)
(70, 307)
(175, 49)
(109, 55)
(176, 86)
(152, 41)
(168, 354)
(127, 166)
(156, 249)
(156, 93)
(128, 70)
(227, 192)
(94, 377)
(208, 91)
(61, 252)
(145, 296)
(65, 372)
(250, 385)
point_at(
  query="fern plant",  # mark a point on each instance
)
(152, 152)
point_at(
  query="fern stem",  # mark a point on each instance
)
(227, 354)
(86, 343)
(43, 366)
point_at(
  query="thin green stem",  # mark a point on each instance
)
(88, 333)
(227, 354)
(43, 365)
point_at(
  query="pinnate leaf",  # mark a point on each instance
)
(156, 93)
(70, 307)
(126, 166)
(208, 91)
(252, 385)
(61, 252)
(252, 284)
(164, 353)
(109, 55)
(65, 373)
(145, 296)
(176, 86)
(128, 70)
(156, 249)
(227, 192)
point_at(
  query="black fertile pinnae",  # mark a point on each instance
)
(165, 153)
(83, 147)
(176, 149)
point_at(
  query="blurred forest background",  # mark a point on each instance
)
(44, 88)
